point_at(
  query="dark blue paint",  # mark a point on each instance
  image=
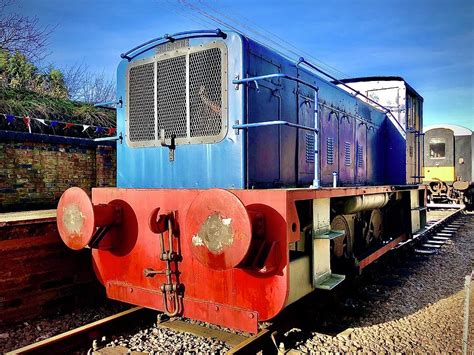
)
(270, 155)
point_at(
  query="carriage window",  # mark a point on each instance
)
(437, 149)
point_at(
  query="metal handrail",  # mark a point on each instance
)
(118, 137)
(107, 104)
(171, 38)
(301, 60)
(273, 123)
(270, 76)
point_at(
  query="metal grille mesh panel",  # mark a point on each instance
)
(205, 93)
(141, 112)
(171, 96)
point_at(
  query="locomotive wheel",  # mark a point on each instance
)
(438, 187)
(342, 246)
(374, 232)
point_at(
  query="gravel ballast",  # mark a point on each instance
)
(421, 313)
(157, 340)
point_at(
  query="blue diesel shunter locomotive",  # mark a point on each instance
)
(245, 180)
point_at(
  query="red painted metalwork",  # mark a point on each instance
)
(377, 254)
(75, 216)
(235, 282)
(236, 297)
(78, 219)
(218, 229)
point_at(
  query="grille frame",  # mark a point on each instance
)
(184, 51)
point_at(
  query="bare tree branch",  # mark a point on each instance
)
(86, 86)
(19, 33)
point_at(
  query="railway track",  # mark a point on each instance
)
(75, 339)
(275, 338)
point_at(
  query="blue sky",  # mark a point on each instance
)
(428, 42)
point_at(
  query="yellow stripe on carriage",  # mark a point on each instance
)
(444, 173)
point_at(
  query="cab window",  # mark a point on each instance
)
(437, 148)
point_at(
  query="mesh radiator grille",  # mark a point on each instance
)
(182, 94)
(171, 96)
(141, 114)
(205, 94)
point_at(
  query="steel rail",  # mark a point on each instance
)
(437, 224)
(430, 229)
(78, 337)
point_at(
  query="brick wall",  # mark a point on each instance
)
(39, 275)
(36, 169)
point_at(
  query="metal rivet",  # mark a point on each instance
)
(217, 308)
(251, 316)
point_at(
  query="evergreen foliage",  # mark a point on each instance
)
(27, 90)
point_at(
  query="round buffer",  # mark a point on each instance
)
(218, 228)
(75, 218)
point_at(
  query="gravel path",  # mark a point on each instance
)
(418, 308)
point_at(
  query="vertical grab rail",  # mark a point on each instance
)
(316, 180)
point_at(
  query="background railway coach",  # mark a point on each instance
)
(243, 181)
(449, 164)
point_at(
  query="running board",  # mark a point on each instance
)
(322, 276)
(330, 282)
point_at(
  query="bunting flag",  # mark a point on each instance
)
(27, 121)
(10, 118)
(110, 131)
